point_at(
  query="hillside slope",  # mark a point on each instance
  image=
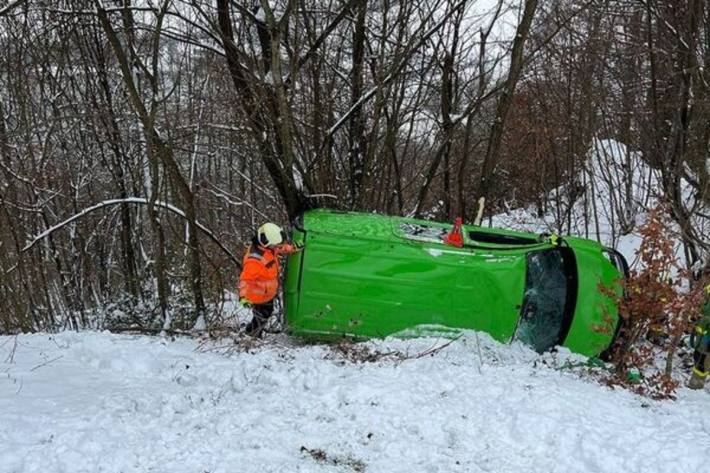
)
(615, 190)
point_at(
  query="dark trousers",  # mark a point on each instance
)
(700, 361)
(261, 314)
(702, 351)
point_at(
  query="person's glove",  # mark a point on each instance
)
(245, 302)
(289, 248)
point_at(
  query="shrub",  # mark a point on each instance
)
(660, 305)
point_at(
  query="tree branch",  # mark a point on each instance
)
(11, 6)
(129, 200)
(392, 75)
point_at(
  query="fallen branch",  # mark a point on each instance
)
(364, 353)
(151, 331)
(433, 350)
(320, 456)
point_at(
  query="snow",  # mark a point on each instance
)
(200, 323)
(99, 402)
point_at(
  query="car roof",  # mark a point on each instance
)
(385, 227)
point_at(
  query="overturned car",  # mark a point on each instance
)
(365, 275)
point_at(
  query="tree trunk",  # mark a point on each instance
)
(356, 135)
(491, 157)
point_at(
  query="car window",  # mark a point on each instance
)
(416, 231)
(501, 239)
(546, 314)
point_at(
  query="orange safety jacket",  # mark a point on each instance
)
(259, 281)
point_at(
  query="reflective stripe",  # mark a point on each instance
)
(702, 374)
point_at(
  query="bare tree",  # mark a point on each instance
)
(159, 149)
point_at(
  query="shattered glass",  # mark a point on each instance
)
(543, 311)
(415, 231)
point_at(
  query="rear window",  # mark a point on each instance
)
(549, 299)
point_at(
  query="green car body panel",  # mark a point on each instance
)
(365, 275)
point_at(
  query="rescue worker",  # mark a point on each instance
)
(700, 340)
(259, 281)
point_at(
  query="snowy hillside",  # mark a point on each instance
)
(95, 402)
(617, 189)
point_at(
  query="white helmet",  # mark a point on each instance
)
(270, 234)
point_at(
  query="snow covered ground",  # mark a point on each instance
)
(97, 402)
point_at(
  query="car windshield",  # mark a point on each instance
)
(547, 304)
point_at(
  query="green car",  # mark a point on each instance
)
(365, 275)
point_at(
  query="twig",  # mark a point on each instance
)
(480, 355)
(435, 349)
(11, 356)
(47, 362)
(150, 331)
(9, 7)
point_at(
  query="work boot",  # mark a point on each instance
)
(255, 328)
(697, 379)
(701, 367)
